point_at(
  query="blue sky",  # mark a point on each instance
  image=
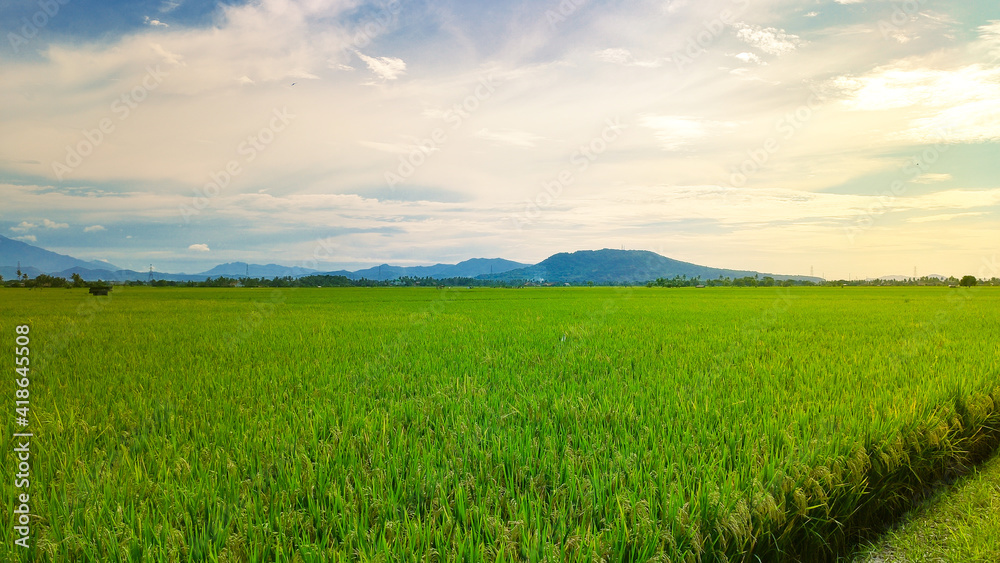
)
(853, 138)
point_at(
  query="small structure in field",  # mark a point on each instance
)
(100, 290)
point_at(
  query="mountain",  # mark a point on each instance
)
(466, 269)
(599, 266)
(478, 266)
(35, 260)
(240, 269)
(619, 266)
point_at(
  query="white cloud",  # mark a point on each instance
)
(27, 238)
(386, 68)
(23, 227)
(521, 139)
(94, 229)
(749, 58)
(168, 6)
(931, 178)
(959, 105)
(400, 148)
(675, 132)
(768, 39)
(945, 217)
(167, 56)
(674, 6)
(901, 87)
(953, 199)
(154, 23)
(53, 225)
(614, 55)
(621, 56)
(199, 247)
(849, 1)
(46, 224)
(989, 36)
(302, 73)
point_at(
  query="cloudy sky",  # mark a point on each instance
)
(850, 137)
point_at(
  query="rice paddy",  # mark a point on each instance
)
(558, 424)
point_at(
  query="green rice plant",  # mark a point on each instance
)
(383, 424)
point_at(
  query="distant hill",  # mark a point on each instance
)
(620, 266)
(599, 266)
(239, 270)
(466, 269)
(35, 260)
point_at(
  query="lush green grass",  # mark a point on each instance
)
(960, 523)
(570, 423)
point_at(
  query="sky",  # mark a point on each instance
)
(843, 138)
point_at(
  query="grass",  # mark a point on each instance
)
(959, 523)
(537, 424)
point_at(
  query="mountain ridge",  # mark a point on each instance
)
(41, 260)
(605, 266)
(622, 266)
(471, 268)
(243, 269)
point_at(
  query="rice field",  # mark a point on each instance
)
(540, 424)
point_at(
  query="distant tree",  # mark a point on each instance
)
(324, 281)
(968, 281)
(78, 281)
(43, 280)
